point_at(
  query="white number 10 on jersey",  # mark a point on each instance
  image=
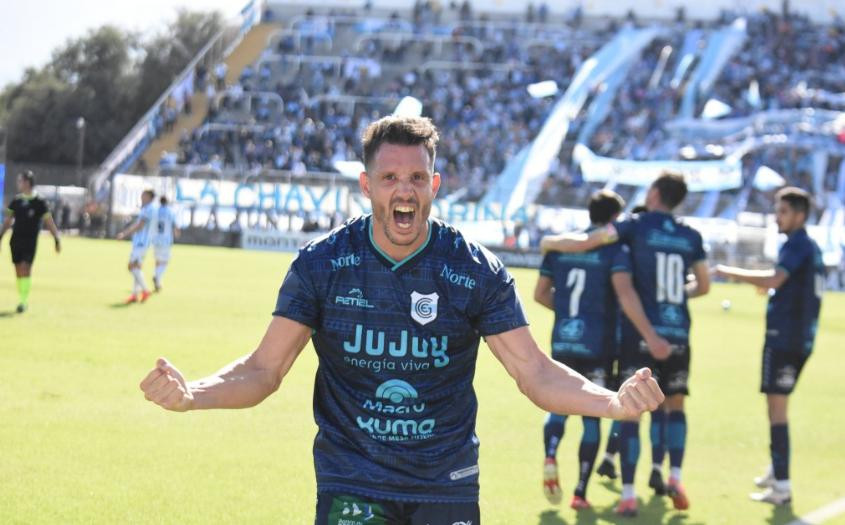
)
(670, 278)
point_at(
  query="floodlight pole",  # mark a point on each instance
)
(80, 152)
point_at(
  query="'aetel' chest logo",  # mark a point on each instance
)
(424, 307)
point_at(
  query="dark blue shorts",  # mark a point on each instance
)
(781, 369)
(345, 509)
(671, 374)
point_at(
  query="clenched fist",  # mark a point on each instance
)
(638, 394)
(166, 387)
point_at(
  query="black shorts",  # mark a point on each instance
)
(23, 249)
(672, 374)
(599, 371)
(344, 509)
(781, 369)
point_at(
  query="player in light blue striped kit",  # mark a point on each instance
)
(165, 232)
(141, 236)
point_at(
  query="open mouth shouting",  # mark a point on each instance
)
(403, 216)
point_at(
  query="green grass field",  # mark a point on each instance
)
(79, 444)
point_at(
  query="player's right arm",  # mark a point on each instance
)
(243, 383)
(579, 242)
(632, 306)
(135, 226)
(759, 278)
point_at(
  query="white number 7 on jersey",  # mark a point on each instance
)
(575, 280)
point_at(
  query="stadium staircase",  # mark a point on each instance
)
(247, 52)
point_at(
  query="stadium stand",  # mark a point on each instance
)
(298, 90)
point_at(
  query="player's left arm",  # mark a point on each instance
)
(759, 278)
(557, 388)
(7, 223)
(51, 225)
(579, 242)
(701, 284)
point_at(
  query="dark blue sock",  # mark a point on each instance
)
(553, 433)
(613, 440)
(630, 450)
(780, 451)
(658, 436)
(587, 453)
(676, 438)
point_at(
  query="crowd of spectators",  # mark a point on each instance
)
(304, 104)
(481, 105)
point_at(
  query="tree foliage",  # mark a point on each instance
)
(109, 77)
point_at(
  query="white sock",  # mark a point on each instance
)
(675, 473)
(783, 485)
(608, 456)
(628, 491)
(160, 271)
(657, 466)
(139, 280)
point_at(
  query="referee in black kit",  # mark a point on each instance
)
(24, 215)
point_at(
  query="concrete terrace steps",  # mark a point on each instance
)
(247, 52)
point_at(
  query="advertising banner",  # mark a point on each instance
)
(700, 175)
(275, 240)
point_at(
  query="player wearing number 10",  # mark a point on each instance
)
(585, 335)
(664, 251)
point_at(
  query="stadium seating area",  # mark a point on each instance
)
(304, 104)
(784, 63)
(323, 77)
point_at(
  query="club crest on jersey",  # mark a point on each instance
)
(424, 307)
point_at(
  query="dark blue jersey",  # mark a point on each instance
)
(793, 312)
(663, 250)
(586, 310)
(397, 343)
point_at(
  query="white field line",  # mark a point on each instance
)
(821, 514)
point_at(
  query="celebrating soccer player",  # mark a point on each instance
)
(25, 215)
(664, 251)
(584, 336)
(791, 320)
(140, 230)
(395, 304)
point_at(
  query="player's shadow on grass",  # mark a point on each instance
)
(10, 313)
(551, 517)
(611, 485)
(119, 305)
(782, 514)
(652, 511)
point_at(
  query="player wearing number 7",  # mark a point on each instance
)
(664, 251)
(791, 321)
